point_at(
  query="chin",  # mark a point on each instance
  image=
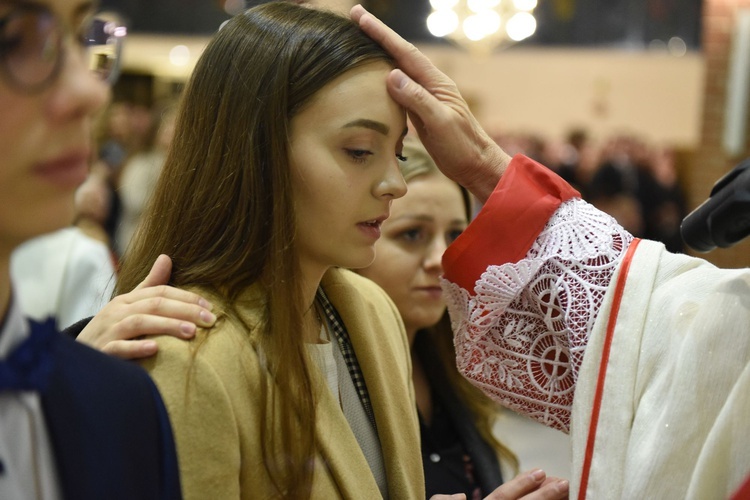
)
(58, 217)
(361, 261)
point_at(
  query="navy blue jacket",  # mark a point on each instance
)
(108, 428)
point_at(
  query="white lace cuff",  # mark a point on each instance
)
(522, 335)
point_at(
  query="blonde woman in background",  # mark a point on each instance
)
(459, 451)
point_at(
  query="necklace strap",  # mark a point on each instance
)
(345, 345)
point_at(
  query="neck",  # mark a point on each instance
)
(311, 278)
(411, 334)
(312, 318)
(313, 323)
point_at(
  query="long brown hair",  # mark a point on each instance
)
(482, 408)
(223, 210)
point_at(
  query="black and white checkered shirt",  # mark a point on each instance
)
(345, 345)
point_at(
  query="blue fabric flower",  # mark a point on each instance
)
(29, 365)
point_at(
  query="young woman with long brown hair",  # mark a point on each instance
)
(283, 167)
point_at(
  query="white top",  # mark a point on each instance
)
(332, 365)
(28, 466)
(65, 274)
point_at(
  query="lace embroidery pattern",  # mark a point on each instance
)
(522, 335)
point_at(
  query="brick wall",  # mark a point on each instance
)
(711, 161)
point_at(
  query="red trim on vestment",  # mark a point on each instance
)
(611, 322)
(743, 492)
(508, 224)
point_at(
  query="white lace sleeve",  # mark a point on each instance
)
(522, 336)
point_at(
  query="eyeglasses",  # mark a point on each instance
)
(32, 48)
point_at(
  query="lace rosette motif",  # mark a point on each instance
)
(522, 335)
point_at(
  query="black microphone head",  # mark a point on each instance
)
(724, 218)
(694, 229)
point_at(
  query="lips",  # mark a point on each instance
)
(432, 291)
(67, 171)
(372, 227)
(371, 223)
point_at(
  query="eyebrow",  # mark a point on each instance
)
(426, 218)
(377, 126)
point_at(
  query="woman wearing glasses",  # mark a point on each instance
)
(75, 424)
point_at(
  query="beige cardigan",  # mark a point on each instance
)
(212, 394)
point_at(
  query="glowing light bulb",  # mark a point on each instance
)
(442, 22)
(527, 5)
(179, 55)
(443, 4)
(479, 6)
(521, 25)
(677, 46)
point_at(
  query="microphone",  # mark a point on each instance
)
(724, 218)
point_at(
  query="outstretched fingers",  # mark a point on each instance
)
(442, 118)
(159, 274)
(407, 56)
(430, 81)
(531, 485)
(152, 308)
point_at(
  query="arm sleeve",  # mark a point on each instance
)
(524, 284)
(203, 421)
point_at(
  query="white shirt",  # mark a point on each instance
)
(330, 361)
(28, 466)
(65, 274)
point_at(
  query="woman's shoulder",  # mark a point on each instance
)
(339, 277)
(220, 350)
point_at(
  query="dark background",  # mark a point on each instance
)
(630, 24)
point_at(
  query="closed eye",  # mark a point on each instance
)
(358, 155)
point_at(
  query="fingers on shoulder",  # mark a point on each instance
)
(130, 349)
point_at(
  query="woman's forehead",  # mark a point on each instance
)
(359, 95)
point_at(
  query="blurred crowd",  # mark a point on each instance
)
(635, 181)
(132, 141)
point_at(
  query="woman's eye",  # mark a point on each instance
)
(453, 235)
(411, 235)
(359, 155)
(401, 157)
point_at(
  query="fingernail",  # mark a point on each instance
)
(149, 346)
(207, 318)
(538, 475)
(206, 304)
(562, 486)
(401, 79)
(187, 328)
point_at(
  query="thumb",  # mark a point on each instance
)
(416, 99)
(159, 274)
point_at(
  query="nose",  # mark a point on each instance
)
(392, 185)
(77, 93)
(433, 259)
